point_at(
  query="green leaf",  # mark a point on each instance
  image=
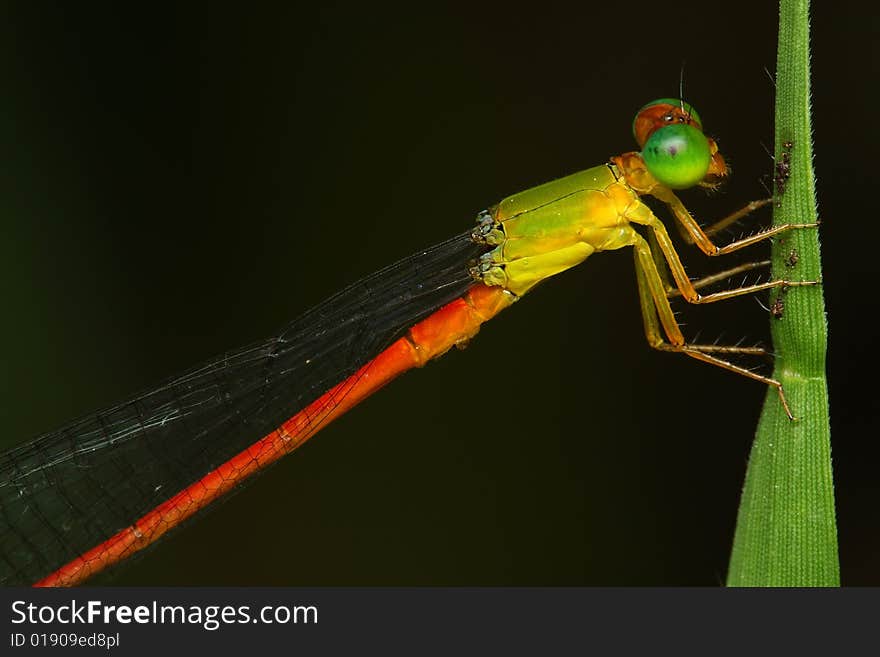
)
(786, 532)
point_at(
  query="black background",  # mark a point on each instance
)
(180, 181)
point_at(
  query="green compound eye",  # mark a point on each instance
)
(677, 156)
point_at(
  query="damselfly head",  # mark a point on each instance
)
(674, 148)
(661, 113)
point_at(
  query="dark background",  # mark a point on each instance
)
(176, 182)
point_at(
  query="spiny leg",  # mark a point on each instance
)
(694, 233)
(751, 239)
(660, 263)
(726, 221)
(699, 283)
(655, 306)
(682, 282)
(706, 281)
(733, 217)
(750, 289)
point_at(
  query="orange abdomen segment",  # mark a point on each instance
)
(454, 323)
